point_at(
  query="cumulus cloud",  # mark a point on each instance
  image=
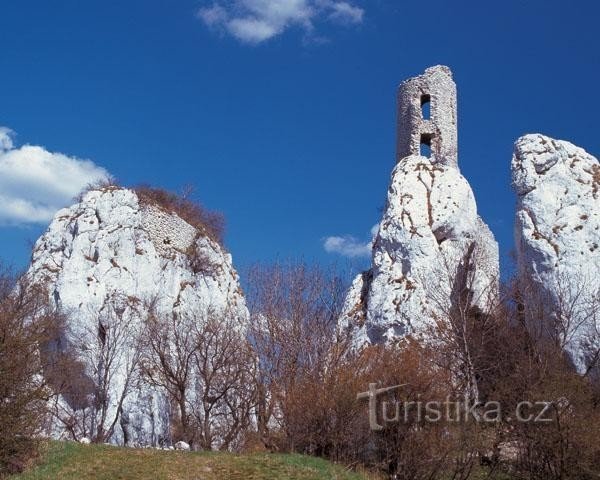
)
(350, 246)
(35, 183)
(255, 21)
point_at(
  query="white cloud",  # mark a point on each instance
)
(345, 13)
(349, 246)
(255, 21)
(5, 139)
(252, 30)
(212, 16)
(35, 183)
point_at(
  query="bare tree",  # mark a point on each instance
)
(294, 310)
(463, 320)
(203, 360)
(95, 369)
(564, 311)
(26, 324)
(169, 348)
(224, 390)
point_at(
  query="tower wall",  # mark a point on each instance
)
(437, 88)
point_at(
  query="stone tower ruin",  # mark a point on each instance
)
(427, 117)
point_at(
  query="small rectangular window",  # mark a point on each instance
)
(426, 106)
(425, 147)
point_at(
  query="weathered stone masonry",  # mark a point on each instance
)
(435, 89)
(167, 231)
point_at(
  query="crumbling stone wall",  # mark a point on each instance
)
(166, 230)
(436, 88)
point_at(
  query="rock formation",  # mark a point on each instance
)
(109, 257)
(430, 238)
(557, 235)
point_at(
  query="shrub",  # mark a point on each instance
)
(533, 367)
(294, 311)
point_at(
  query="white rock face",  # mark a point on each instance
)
(110, 255)
(557, 235)
(431, 241)
(429, 225)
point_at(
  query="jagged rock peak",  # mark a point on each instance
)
(557, 235)
(430, 233)
(117, 252)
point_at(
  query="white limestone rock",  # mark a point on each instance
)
(113, 254)
(557, 235)
(429, 225)
(181, 445)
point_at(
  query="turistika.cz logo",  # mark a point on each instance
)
(450, 410)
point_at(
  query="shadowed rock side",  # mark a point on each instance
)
(557, 233)
(429, 227)
(104, 260)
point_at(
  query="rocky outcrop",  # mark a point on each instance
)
(430, 238)
(106, 259)
(430, 227)
(557, 235)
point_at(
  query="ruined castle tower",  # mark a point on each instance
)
(427, 116)
(431, 246)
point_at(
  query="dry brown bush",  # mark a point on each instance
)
(567, 447)
(294, 308)
(310, 378)
(532, 366)
(411, 445)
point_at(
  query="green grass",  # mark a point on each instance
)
(72, 461)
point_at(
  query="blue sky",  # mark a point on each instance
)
(282, 114)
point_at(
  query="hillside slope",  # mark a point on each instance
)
(72, 461)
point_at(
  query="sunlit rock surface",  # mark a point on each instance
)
(557, 234)
(106, 259)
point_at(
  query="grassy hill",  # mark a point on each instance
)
(72, 461)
